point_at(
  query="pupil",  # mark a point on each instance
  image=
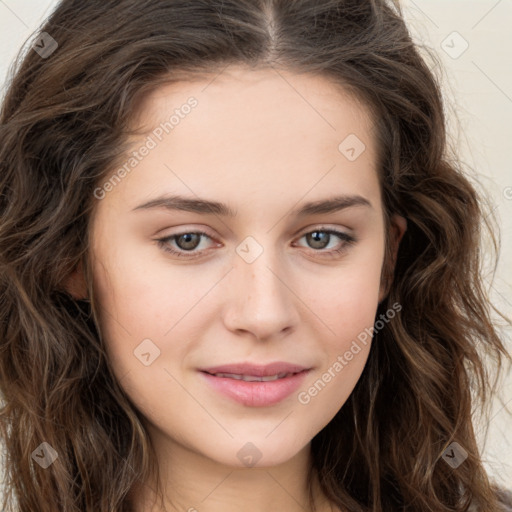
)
(317, 236)
(187, 238)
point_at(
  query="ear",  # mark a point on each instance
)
(75, 284)
(397, 229)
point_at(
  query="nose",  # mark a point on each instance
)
(262, 300)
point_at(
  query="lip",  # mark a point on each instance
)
(256, 394)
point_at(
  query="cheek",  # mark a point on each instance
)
(346, 298)
(144, 296)
(133, 304)
(347, 303)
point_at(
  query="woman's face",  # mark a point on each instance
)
(267, 284)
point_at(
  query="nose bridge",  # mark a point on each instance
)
(263, 303)
(261, 277)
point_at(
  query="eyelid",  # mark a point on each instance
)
(321, 227)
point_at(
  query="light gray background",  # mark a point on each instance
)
(478, 86)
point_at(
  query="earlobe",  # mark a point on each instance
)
(75, 284)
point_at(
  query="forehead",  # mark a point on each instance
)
(265, 129)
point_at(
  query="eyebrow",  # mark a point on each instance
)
(204, 206)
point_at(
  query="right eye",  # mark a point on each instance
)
(188, 239)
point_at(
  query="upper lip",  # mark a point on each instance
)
(256, 370)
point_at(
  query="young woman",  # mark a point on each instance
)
(239, 267)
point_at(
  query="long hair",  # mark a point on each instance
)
(64, 124)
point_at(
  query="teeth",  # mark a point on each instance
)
(252, 378)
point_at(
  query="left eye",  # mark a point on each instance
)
(188, 241)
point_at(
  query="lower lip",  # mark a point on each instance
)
(256, 393)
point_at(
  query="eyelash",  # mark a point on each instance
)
(348, 239)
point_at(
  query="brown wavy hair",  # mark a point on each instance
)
(65, 120)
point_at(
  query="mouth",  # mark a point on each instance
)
(255, 390)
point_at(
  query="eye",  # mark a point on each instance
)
(320, 238)
(187, 242)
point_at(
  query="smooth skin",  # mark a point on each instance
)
(265, 142)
